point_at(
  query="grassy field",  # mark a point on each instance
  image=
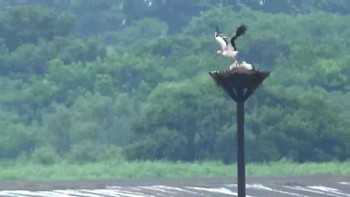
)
(160, 169)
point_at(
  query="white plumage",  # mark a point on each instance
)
(246, 65)
(228, 48)
(243, 65)
(234, 65)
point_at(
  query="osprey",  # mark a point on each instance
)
(228, 48)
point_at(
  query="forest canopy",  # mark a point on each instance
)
(86, 80)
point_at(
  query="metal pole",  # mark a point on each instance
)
(240, 149)
(240, 84)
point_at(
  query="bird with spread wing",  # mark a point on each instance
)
(228, 47)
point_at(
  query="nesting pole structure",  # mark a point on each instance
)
(239, 84)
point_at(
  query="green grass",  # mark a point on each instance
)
(161, 169)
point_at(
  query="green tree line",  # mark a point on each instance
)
(84, 81)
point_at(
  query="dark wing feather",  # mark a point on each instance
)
(217, 31)
(225, 39)
(239, 32)
(233, 44)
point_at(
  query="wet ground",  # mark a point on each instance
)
(311, 186)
